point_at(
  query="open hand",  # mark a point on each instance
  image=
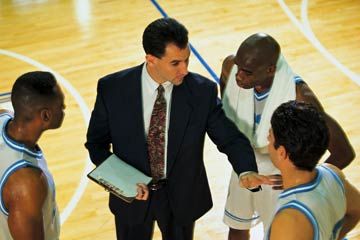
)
(253, 180)
(277, 182)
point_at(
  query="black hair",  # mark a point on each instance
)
(301, 129)
(161, 32)
(31, 91)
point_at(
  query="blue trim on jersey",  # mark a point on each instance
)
(257, 118)
(17, 165)
(337, 228)
(261, 96)
(233, 217)
(298, 79)
(18, 146)
(307, 212)
(6, 114)
(4, 94)
(304, 187)
(336, 177)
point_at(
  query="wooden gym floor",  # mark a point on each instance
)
(82, 40)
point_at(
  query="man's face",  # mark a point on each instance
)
(252, 71)
(172, 67)
(57, 108)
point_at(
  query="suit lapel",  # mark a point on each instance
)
(134, 98)
(181, 108)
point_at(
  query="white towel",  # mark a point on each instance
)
(239, 103)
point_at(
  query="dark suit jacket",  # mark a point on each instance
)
(117, 120)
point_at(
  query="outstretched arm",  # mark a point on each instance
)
(341, 151)
(24, 195)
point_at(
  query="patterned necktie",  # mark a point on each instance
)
(156, 136)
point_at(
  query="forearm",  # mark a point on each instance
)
(340, 148)
(341, 161)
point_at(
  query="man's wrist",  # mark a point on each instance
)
(255, 189)
(245, 173)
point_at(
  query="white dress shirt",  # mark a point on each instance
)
(149, 92)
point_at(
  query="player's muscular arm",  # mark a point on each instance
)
(352, 194)
(24, 195)
(225, 72)
(341, 151)
(291, 224)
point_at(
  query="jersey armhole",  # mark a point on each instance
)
(10, 170)
(306, 211)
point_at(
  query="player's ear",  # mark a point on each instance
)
(45, 115)
(282, 152)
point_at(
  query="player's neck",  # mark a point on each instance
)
(295, 177)
(264, 86)
(23, 133)
(261, 89)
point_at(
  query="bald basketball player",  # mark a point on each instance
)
(253, 83)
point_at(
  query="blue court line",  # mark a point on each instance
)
(4, 94)
(196, 53)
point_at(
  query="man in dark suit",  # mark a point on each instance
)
(186, 108)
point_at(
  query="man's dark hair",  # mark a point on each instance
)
(303, 132)
(32, 91)
(158, 34)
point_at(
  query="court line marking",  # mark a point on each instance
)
(86, 114)
(305, 29)
(306, 23)
(193, 49)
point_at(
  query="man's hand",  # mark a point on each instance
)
(253, 180)
(277, 182)
(143, 192)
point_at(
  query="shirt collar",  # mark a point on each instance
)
(151, 83)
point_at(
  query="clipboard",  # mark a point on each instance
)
(118, 178)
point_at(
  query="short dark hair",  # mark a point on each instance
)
(158, 34)
(32, 90)
(301, 129)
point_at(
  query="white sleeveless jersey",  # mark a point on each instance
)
(13, 156)
(322, 201)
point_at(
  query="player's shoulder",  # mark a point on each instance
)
(305, 93)
(24, 183)
(335, 169)
(286, 223)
